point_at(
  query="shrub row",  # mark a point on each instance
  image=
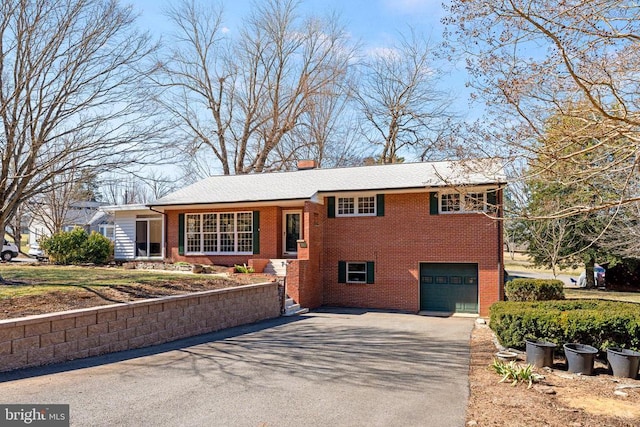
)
(524, 289)
(600, 324)
(77, 247)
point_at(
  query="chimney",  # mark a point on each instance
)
(306, 164)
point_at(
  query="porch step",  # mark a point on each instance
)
(291, 308)
(277, 267)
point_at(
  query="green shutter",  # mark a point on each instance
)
(342, 272)
(433, 203)
(181, 234)
(492, 199)
(379, 204)
(256, 232)
(331, 207)
(370, 272)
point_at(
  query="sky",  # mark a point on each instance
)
(374, 23)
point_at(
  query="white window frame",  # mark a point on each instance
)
(108, 231)
(465, 201)
(356, 205)
(358, 272)
(218, 233)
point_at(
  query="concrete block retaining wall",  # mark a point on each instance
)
(58, 337)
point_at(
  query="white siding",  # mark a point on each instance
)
(125, 233)
(125, 225)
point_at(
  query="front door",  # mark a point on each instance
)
(292, 226)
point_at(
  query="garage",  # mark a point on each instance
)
(449, 287)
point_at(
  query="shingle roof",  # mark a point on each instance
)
(304, 184)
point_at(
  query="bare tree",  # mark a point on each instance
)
(535, 59)
(239, 97)
(59, 205)
(72, 93)
(133, 189)
(403, 110)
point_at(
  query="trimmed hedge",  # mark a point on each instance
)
(524, 289)
(598, 323)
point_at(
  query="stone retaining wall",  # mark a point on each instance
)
(58, 337)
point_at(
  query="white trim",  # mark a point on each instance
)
(284, 230)
(461, 204)
(356, 197)
(348, 263)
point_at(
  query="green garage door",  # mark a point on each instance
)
(449, 287)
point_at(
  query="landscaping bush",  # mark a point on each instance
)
(600, 324)
(524, 289)
(77, 247)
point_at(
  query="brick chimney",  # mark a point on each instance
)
(306, 164)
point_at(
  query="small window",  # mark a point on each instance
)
(356, 272)
(357, 206)
(463, 202)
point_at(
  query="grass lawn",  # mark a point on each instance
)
(40, 279)
(521, 262)
(572, 293)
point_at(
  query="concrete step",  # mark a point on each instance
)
(277, 267)
(288, 313)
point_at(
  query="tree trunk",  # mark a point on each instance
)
(589, 265)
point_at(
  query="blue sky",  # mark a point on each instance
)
(374, 23)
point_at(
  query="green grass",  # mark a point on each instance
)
(572, 293)
(43, 279)
(521, 262)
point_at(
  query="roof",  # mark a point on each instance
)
(305, 184)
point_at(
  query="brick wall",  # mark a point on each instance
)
(58, 337)
(398, 242)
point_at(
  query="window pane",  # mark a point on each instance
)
(193, 223)
(227, 242)
(227, 222)
(209, 224)
(346, 206)
(193, 242)
(210, 241)
(450, 202)
(155, 238)
(245, 242)
(474, 202)
(245, 222)
(356, 272)
(366, 205)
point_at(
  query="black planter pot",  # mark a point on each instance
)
(540, 353)
(580, 358)
(623, 362)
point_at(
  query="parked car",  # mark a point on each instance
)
(598, 276)
(9, 251)
(36, 252)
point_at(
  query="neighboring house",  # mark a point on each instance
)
(84, 214)
(414, 237)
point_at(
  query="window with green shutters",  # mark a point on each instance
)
(355, 272)
(217, 233)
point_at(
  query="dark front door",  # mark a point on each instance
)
(292, 228)
(449, 287)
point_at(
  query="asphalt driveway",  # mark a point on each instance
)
(327, 368)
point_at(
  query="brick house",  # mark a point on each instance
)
(414, 237)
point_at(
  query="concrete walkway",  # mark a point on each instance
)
(326, 368)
